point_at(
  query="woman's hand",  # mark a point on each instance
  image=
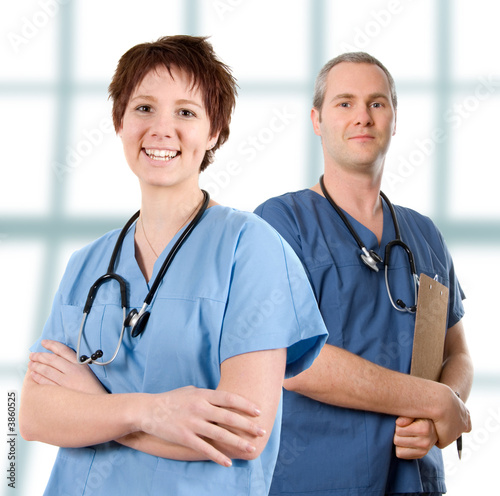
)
(414, 438)
(180, 424)
(60, 368)
(197, 418)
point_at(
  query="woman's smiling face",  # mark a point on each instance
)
(165, 130)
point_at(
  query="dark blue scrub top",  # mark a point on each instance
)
(327, 450)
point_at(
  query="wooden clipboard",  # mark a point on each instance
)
(430, 329)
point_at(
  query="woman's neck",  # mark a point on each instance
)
(163, 214)
(164, 209)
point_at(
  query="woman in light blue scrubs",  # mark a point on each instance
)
(192, 404)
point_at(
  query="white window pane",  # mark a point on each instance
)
(30, 41)
(474, 168)
(410, 164)
(21, 269)
(478, 271)
(28, 163)
(260, 40)
(118, 26)
(382, 28)
(475, 39)
(265, 154)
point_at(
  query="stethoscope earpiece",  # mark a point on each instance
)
(93, 357)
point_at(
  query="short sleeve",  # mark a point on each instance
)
(441, 262)
(456, 295)
(270, 303)
(276, 214)
(53, 328)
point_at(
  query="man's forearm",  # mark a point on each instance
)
(457, 374)
(340, 378)
(458, 370)
(343, 379)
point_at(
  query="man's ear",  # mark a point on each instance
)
(316, 119)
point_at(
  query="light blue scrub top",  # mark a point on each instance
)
(327, 450)
(234, 287)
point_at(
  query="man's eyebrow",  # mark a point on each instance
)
(343, 96)
(376, 96)
(350, 96)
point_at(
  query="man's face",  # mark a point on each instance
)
(357, 119)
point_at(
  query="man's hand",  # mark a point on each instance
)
(414, 438)
(452, 420)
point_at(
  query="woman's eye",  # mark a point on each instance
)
(186, 113)
(144, 108)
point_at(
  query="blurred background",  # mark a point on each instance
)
(64, 180)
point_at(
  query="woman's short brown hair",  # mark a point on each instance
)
(191, 54)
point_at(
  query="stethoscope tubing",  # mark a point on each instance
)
(136, 320)
(94, 357)
(371, 258)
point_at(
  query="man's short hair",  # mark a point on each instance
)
(356, 58)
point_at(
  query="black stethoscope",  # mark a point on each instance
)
(372, 259)
(136, 320)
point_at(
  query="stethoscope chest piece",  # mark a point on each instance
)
(371, 259)
(137, 321)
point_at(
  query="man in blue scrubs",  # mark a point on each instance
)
(356, 423)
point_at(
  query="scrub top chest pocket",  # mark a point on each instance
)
(102, 331)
